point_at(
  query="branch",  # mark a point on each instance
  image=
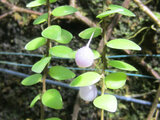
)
(6, 14)
(19, 9)
(147, 11)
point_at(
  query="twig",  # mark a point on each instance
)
(154, 105)
(80, 17)
(6, 14)
(19, 9)
(76, 108)
(147, 11)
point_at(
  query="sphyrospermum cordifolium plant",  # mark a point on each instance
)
(53, 33)
(84, 58)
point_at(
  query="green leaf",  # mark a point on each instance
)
(41, 19)
(39, 3)
(36, 43)
(123, 11)
(61, 73)
(52, 32)
(63, 10)
(53, 118)
(35, 100)
(107, 13)
(157, 14)
(123, 44)
(106, 102)
(121, 65)
(40, 65)
(61, 51)
(86, 79)
(31, 80)
(86, 34)
(65, 37)
(115, 80)
(96, 54)
(52, 99)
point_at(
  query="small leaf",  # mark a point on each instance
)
(123, 11)
(52, 99)
(41, 19)
(53, 118)
(86, 79)
(61, 73)
(63, 10)
(157, 14)
(39, 3)
(115, 80)
(52, 32)
(121, 65)
(123, 44)
(96, 54)
(107, 13)
(31, 80)
(36, 43)
(61, 51)
(65, 37)
(106, 102)
(40, 65)
(35, 100)
(86, 34)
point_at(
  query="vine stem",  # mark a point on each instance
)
(45, 72)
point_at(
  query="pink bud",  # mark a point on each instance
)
(84, 57)
(88, 93)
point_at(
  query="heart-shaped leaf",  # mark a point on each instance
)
(36, 43)
(41, 19)
(40, 65)
(52, 99)
(157, 14)
(115, 80)
(86, 79)
(106, 102)
(65, 37)
(31, 80)
(63, 10)
(123, 44)
(124, 11)
(86, 34)
(61, 73)
(38, 3)
(35, 100)
(52, 32)
(61, 51)
(53, 118)
(121, 65)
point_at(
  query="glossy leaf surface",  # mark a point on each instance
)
(39, 3)
(65, 37)
(53, 118)
(63, 10)
(40, 65)
(35, 100)
(41, 19)
(124, 11)
(31, 80)
(52, 99)
(123, 44)
(121, 65)
(106, 102)
(86, 79)
(86, 34)
(61, 73)
(115, 80)
(36, 43)
(53, 32)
